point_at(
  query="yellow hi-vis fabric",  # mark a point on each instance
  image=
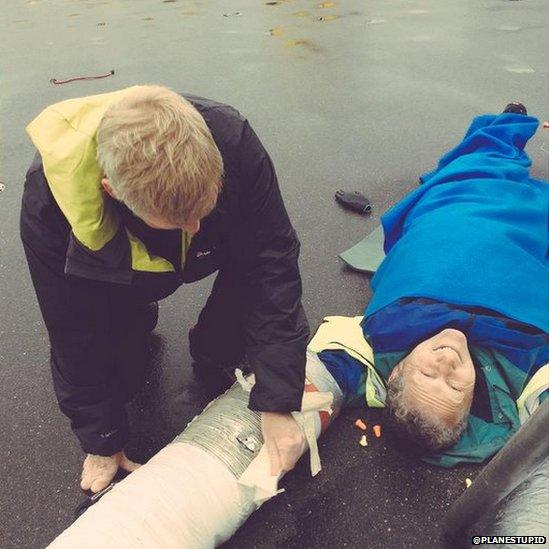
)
(529, 400)
(65, 136)
(345, 334)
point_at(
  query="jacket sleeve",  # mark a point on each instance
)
(87, 353)
(275, 326)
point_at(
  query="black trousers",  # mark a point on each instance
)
(218, 334)
(98, 350)
(98, 341)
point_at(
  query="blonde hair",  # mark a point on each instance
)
(159, 155)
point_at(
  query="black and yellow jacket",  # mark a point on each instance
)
(65, 213)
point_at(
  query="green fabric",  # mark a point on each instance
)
(481, 439)
(345, 334)
(367, 255)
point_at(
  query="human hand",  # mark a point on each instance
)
(283, 440)
(98, 471)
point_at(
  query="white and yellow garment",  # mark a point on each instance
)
(341, 333)
(530, 398)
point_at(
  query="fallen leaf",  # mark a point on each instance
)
(311, 46)
(327, 5)
(277, 31)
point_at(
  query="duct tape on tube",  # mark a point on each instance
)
(196, 492)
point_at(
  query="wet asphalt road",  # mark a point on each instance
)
(366, 100)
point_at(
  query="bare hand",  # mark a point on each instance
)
(98, 471)
(283, 440)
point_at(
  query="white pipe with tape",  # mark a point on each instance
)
(198, 490)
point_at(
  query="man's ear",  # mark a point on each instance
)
(396, 371)
(107, 187)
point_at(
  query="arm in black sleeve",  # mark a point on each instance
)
(276, 329)
(85, 349)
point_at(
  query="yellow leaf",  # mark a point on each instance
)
(308, 44)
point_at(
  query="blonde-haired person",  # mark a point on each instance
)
(130, 195)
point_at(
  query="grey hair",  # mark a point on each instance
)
(416, 432)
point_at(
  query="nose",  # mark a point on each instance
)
(446, 360)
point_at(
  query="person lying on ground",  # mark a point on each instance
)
(130, 195)
(459, 316)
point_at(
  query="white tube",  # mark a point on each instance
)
(188, 495)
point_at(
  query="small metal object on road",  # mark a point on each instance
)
(56, 81)
(233, 14)
(360, 424)
(2, 186)
(377, 430)
(363, 441)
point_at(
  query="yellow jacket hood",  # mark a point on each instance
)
(65, 136)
